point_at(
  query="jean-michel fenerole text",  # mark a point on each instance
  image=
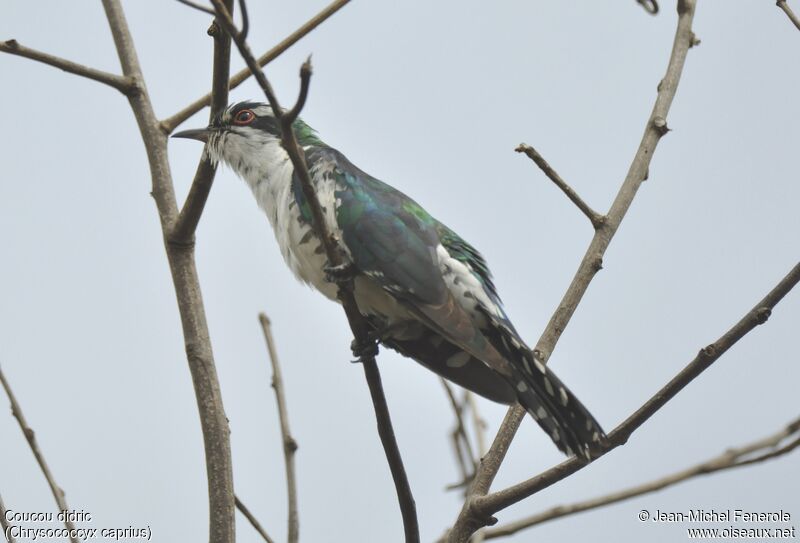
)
(721, 515)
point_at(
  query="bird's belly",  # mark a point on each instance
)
(307, 260)
(374, 301)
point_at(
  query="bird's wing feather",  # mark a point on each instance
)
(394, 240)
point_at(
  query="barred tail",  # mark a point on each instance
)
(551, 404)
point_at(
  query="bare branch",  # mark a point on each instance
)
(462, 448)
(789, 13)
(487, 505)
(214, 423)
(245, 19)
(731, 458)
(253, 520)
(198, 7)
(185, 226)
(4, 523)
(595, 218)
(305, 80)
(289, 443)
(477, 422)
(469, 520)
(123, 84)
(358, 324)
(30, 436)
(175, 120)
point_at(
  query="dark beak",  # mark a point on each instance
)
(199, 134)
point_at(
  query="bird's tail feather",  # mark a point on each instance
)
(551, 404)
(569, 424)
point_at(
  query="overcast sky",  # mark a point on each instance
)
(431, 97)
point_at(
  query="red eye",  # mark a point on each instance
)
(244, 117)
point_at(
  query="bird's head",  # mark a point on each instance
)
(246, 135)
(241, 130)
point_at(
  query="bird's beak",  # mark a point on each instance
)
(199, 134)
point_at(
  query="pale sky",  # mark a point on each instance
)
(431, 97)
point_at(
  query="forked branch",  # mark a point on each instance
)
(199, 355)
(358, 324)
(469, 520)
(490, 504)
(595, 218)
(125, 85)
(182, 233)
(764, 449)
(252, 520)
(169, 124)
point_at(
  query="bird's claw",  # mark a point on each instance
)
(365, 349)
(341, 273)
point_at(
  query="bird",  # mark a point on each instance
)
(424, 290)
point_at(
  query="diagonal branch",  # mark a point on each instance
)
(595, 218)
(468, 521)
(30, 436)
(125, 85)
(358, 324)
(789, 13)
(731, 458)
(490, 504)
(253, 520)
(4, 523)
(289, 443)
(185, 226)
(169, 124)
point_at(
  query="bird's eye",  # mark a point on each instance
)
(244, 117)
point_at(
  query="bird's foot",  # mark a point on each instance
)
(341, 273)
(364, 349)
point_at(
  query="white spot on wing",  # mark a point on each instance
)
(548, 386)
(458, 273)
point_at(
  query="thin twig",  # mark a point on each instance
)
(289, 443)
(789, 13)
(198, 7)
(200, 357)
(171, 123)
(30, 436)
(183, 231)
(731, 458)
(462, 448)
(4, 523)
(245, 20)
(125, 85)
(253, 520)
(358, 324)
(595, 218)
(305, 82)
(467, 522)
(477, 422)
(490, 504)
